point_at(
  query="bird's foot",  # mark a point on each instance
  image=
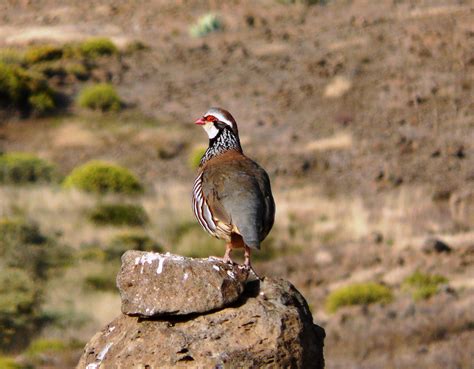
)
(224, 259)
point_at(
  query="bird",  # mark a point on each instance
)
(231, 195)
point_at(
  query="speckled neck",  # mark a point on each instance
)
(224, 141)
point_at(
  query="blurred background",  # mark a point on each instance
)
(361, 111)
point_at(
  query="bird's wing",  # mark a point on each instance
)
(239, 194)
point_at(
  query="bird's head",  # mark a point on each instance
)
(216, 120)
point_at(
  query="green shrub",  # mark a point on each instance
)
(101, 177)
(358, 294)
(9, 363)
(206, 24)
(42, 346)
(195, 156)
(22, 245)
(40, 53)
(21, 168)
(24, 89)
(92, 252)
(118, 215)
(98, 46)
(78, 70)
(101, 96)
(11, 56)
(103, 280)
(42, 102)
(19, 305)
(12, 87)
(130, 241)
(422, 286)
(135, 46)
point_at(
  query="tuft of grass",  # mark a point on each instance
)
(206, 24)
(422, 286)
(9, 363)
(42, 346)
(42, 102)
(135, 46)
(20, 168)
(130, 241)
(78, 70)
(40, 53)
(195, 156)
(18, 85)
(98, 46)
(358, 294)
(103, 280)
(101, 96)
(101, 177)
(11, 56)
(119, 215)
(19, 305)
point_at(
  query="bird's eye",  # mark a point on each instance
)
(210, 118)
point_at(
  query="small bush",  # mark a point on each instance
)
(358, 294)
(101, 96)
(19, 305)
(40, 53)
(12, 86)
(22, 168)
(78, 70)
(22, 245)
(42, 346)
(195, 156)
(9, 363)
(102, 177)
(135, 46)
(11, 56)
(118, 215)
(92, 252)
(20, 88)
(103, 280)
(98, 46)
(423, 286)
(42, 102)
(130, 241)
(205, 25)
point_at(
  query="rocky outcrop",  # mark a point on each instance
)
(268, 325)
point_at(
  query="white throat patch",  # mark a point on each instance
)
(211, 130)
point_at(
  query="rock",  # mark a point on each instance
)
(270, 326)
(436, 246)
(153, 284)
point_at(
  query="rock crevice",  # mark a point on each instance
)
(212, 319)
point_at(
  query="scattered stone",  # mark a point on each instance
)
(436, 246)
(269, 327)
(153, 284)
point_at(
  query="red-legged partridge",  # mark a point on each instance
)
(232, 197)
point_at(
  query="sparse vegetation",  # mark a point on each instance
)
(102, 177)
(206, 24)
(19, 168)
(103, 280)
(118, 215)
(22, 245)
(358, 294)
(10, 363)
(19, 86)
(42, 346)
(98, 46)
(19, 304)
(102, 96)
(40, 53)
(11, 56)
(422, 286)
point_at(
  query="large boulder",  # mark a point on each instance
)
(153, 284)
(269, 325)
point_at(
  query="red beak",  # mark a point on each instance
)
(200, 121)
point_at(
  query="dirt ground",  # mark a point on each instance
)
(361, 111)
